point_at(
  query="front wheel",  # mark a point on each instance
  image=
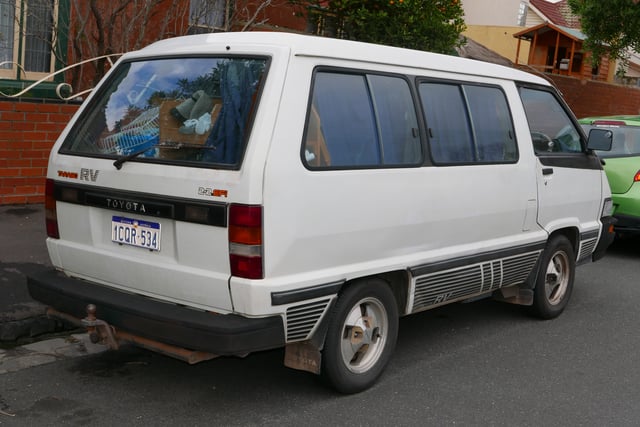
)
(555, 278)
(361, 336)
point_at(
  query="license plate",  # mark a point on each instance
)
(135, 232)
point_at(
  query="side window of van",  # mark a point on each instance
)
(467, 124)
(361, 120)
(552, 130)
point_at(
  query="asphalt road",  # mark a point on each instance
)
(483, 363)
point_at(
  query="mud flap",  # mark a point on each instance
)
(606, 237)
(303, 356)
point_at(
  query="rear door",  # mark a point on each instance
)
(144, 179)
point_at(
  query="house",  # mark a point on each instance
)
(494, 26)
(555, 42)
(559, 13)
(30, 49)
(41, 37)
(543, 35)
(558, 49)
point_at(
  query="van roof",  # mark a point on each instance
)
(306, 45)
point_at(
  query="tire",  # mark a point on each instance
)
(361, 336)
(555, 278)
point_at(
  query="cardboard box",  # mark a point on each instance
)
(169, 132)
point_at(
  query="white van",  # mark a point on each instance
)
(228, 193)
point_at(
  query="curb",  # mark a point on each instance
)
(28, 321)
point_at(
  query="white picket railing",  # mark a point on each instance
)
(62, 86)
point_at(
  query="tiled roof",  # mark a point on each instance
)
(558, 13)
(474, 50)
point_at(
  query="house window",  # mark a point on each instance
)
(38, 35)
(26, 38)
(7, 29)
(207, 15)
(522, 13)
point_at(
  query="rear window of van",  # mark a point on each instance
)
(194, 110)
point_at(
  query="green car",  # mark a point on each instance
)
(622, 165)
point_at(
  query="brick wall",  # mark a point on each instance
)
(28, 129)
(594, 98)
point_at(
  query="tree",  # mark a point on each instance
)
(104, 27)
(432, 25)
(100, 28)
(612, 27)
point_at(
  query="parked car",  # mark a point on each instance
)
(622, 166)
(222, 194)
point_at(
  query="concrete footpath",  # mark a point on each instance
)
(22, 252)
(27, 335)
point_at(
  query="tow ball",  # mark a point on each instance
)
(99, 330)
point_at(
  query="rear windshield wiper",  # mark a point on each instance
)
(165, 144)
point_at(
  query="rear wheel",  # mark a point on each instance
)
(361, 336)
(555, 278)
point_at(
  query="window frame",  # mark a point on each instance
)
(568, 113)
(460, 84)
(585, 159)
(106, 85)
(409, 80)
(201, 24)
(17, 71)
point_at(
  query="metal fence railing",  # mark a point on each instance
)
(64, 91)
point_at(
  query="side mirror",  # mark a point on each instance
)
(600, 139)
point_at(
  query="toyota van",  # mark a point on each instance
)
(223, 194)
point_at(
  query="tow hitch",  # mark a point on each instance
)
(99, 330)
(102, 332)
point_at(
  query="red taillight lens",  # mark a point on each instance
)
(636, 177)
(246, 267)
(245, 241)
(245, 224)
(51, 216)
(608, 123)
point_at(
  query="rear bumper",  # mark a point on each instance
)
(172, 324)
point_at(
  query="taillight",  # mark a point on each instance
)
(245, 241)
(51, 216)
(636, 177)
(608, 123)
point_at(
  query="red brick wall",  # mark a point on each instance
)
(28, 130)
(594, 98)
